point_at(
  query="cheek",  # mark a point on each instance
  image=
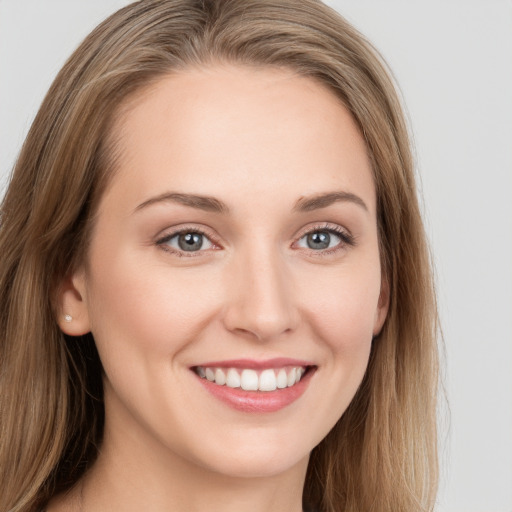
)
(342, 306)
(339, 311)
(150, 308)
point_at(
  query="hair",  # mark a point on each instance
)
(382, 453)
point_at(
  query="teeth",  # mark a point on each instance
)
(291, 377)
(267, 381)
(282, 379)
(249, 380)
(220, 377)
(233, 379)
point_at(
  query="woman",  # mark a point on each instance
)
(216, 291)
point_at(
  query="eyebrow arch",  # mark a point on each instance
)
(307, 204)
(212, 204)
(206, 203)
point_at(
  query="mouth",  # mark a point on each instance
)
(250, 379)
(251, 386)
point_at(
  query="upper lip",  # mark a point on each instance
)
(254, 364)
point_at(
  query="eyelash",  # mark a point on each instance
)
(346, 238)
(161, 242)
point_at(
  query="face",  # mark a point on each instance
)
(233, 282)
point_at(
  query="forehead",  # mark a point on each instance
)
(228, 129)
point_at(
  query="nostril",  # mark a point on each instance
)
(261, 322)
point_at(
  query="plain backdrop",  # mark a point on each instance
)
(453, 61)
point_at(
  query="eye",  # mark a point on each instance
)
(324, 239)
(319, 240)
(187, 241)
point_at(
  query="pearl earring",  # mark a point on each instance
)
(68, 318)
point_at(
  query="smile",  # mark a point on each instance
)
(256, 386)
(249, 379)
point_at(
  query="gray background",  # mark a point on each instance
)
(453, 60)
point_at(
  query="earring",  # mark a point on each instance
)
(68, 318)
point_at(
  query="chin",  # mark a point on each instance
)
(260, 460)
(259, 466)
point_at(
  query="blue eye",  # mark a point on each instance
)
(188, 241)
(322, 239)
(193, 241)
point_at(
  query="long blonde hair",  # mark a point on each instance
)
(381, 455)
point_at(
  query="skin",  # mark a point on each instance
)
(259, 140)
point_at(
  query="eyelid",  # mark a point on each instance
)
(170, 233)
(324, 226)
(346, 237)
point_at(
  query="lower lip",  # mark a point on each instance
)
(258, 401)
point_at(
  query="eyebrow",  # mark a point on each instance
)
(214, 205)
(316, 202)
(206, 203)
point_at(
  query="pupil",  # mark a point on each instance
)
(319, 240)
(190, 241)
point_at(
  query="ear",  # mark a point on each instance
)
(72, 310)
(382, 306)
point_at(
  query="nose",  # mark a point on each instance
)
(261, 300)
